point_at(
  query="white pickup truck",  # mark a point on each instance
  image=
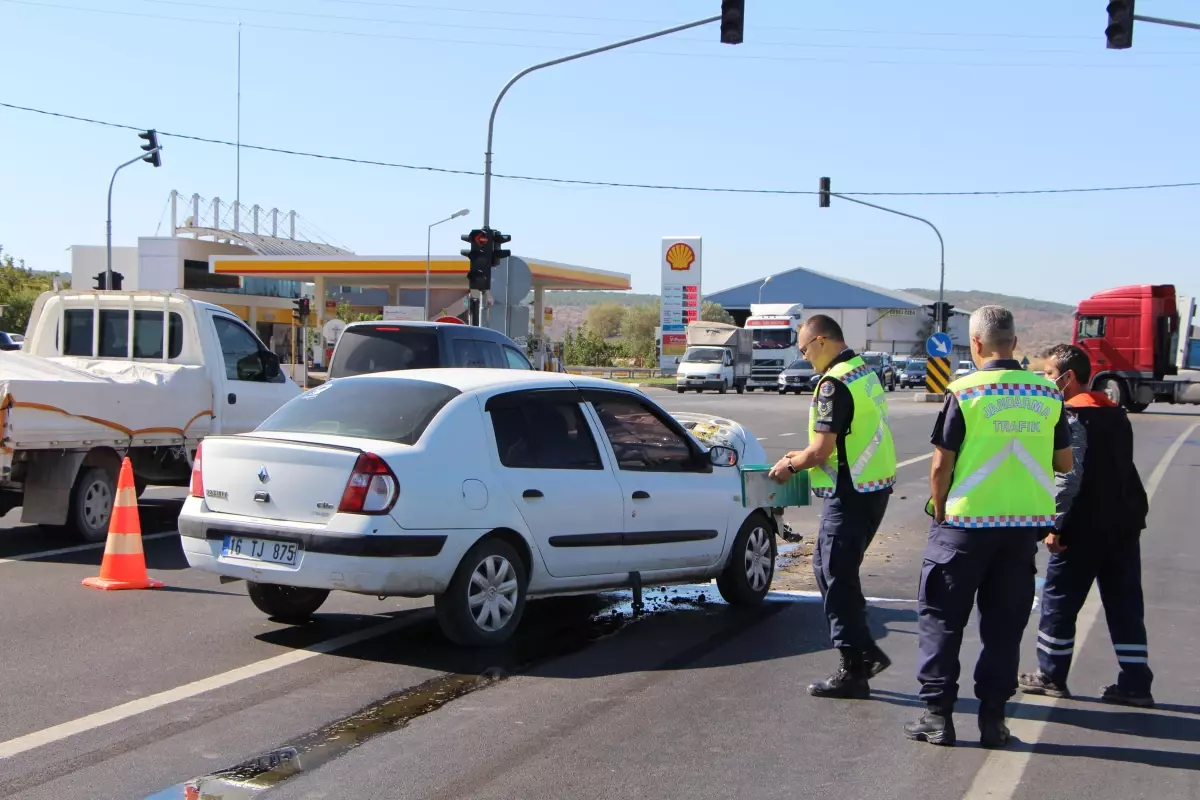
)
(104, 375)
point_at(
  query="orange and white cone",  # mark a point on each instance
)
(124, 564)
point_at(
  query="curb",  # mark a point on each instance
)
(926, 397)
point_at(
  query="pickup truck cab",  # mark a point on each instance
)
(385, 346)
(106, 375)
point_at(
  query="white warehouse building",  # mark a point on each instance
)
(872, 318)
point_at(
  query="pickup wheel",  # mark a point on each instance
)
(747, 576)
(92, 503)
(724, 388)
(484, 602)
(294, 605)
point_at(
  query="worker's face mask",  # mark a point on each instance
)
(1062, 380)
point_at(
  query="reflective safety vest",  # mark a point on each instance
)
(1004, 473)
(870, 451)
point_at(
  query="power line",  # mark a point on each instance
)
(604, 184)
(559, 48)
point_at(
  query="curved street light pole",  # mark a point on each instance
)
(462, 212)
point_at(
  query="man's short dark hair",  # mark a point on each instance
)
(1069, 357)
(822, 325)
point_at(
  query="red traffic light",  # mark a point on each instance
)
(481, 238)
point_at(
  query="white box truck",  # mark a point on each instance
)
(105, 375)
(718, 357)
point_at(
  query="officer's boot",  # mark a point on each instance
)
(993, 733)
(849, 682)
(875, 660)
(935, 726)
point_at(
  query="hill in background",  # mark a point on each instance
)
(1040, 323)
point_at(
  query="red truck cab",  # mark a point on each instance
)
(1132, 336)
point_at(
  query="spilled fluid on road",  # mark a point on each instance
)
(566, 625)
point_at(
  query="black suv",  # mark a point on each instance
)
(366, 347)
(882, 364)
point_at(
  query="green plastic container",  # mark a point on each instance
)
(759, 491)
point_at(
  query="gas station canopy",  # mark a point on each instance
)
(406, 272)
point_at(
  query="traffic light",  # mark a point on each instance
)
(153, 154)
(1119, 32)
(499, 254)
(303, 307)
(733, 13)
(479, 272)
(102, 281)
(823, 194)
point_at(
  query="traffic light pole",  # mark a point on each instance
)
(108, 276)
(487, 163)
(938, 322)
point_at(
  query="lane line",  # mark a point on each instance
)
(76, 549)
(1003, 771)
(814, 596)
(57, 733)
(787, 434)
(915, 460)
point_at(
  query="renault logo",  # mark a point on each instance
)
(263, 475)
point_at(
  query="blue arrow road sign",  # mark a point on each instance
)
(939, 345)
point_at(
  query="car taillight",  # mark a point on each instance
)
(372, 488)
(197, 476)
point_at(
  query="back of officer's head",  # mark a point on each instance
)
(822, 325)
(993, 334)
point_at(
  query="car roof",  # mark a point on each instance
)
(494, 381)
(476, 331)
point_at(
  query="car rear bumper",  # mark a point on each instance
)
(382, 560)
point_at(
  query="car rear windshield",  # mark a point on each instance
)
(874, 361)
(394, 410)
(383, 348)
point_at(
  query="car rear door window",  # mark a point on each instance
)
(534, 433)
(394, 410)
(471, 353)
(384, 348)
(515, 359)
(642, 441)
(490, 353)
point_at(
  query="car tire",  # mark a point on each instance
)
(679, 389)
(741, 388)
(723, 388)
(496, 563)
(749, 388)
(891, 386)
(92, 502)
(783, 391)
(294, 605)
(747, 576)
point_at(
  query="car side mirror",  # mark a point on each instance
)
(271, 369)
(722, 456)
(251, 368)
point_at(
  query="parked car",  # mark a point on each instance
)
(913, 373)
(882, 364)
(964, 368)
(479, 487)
(10, 341)
(386, 346)
(799, 377)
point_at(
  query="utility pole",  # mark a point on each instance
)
(823, 195)
(732, 21)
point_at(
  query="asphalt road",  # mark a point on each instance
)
(130, 694)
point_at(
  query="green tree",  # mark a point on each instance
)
(638, 327)
(19, 289)
(715, 312)
(586, 348)
(605, 319)
(346, 313)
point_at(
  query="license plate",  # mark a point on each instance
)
(696, 380)
(269, 550)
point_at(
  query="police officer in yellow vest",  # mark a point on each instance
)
(851, 461)
(999, 440)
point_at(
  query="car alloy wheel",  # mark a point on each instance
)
(758, 559)
(492, 593)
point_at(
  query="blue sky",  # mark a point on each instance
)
(879, 95)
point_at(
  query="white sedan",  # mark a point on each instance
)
(480, 487)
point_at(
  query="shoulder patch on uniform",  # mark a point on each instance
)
(827, 388)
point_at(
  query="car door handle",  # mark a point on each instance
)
(529, 494)
(640, 495)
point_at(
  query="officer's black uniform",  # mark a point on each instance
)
(992, 566)
(849, 521)
(1102, 509)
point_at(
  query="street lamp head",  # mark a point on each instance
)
(462, 212)
(767, 279)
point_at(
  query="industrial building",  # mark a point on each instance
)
(872, 318)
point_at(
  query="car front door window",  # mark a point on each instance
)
(641, 441)
(515, 359)
(238, 344)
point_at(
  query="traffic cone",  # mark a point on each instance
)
(124, 564)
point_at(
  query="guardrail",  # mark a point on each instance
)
(616, 373)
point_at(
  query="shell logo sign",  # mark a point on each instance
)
(680, 257)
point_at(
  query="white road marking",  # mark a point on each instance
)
(1003, 770)
(79, 548)
(57, 733)
(808, 595)
(786, 434)
(915, 460)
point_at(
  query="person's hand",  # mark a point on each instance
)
(1052, 544)
(939, 514)
(780, 472)
(792, 454)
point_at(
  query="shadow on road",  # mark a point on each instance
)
(156, 516)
